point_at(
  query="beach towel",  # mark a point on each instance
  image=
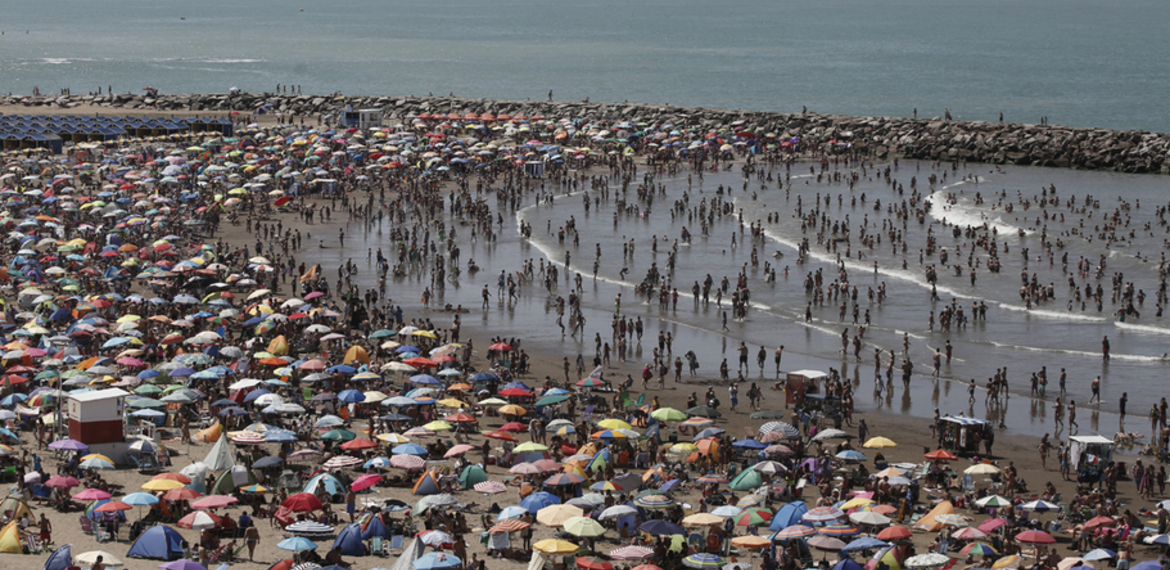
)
(499, 541)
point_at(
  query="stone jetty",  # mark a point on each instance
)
(878, 137)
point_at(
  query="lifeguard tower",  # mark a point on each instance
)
(361, 118)
(95, 419)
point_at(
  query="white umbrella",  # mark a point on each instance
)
(928, 560)
(89, 558)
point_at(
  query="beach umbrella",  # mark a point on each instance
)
(1035, 537)
(200, 520)
(969, 533)
(940, 455)
(703, 519)
(951, 520)
(140, 499)
(582, 526)
(182, 564)
(302, 502)
(827, 543)
(753, 517)
(993, 502)
(90, 558)
(823, 515)
(981, 469)
(555, 546)
(512, 512)
(1099, 554)
(895, 532)
(795, 531)
(436, 561)
(928, 560)
(864, 543)
(556, 515)
(213, 502)
(753, 542)
(296, 544)
(1008, 562)
(654, 502)
(668, 415)
(617, 512)
(979, 549)
(631, 553)
(91, 494)
(1038, 506)
(703, 560)
(879, 443)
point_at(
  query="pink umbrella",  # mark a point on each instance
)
(214, 502)
(91, 495)
(63, 482)
(1035, 537)
(365, 482)
(992, 524)
(408, 462)
(131, 362)
(523, 469)
(314, 295)
(458, 450)
(314, 364)
(631, 553)
(968, 533)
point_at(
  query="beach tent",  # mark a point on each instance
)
(159, 542)
(373, 526)
(232, 479)
(847, 564)
(60, 559)
(210, 434)
(10, 539)
(413, 552)
(428, 484)
(928, 522)
(220, 457)
(887, 558)
(356, 354)
(17, 507)
(746, 481)
(197, 473)
(349, 541)
(471, 475)
(333, 485)
(278, 346)
(789, 515)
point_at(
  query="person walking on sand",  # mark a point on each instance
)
(251, 539)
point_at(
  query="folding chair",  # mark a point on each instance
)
(396, 543)
(376, 547)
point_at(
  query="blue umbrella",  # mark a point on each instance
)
(864, 543)
(539, 500)
(342, 369)
(709, 432)
(436, 561)
(407, 348)
(1099, 554)
(352, 396)
(296, 544)
(513, 512)
(483, 377)
(749, 444)
(851, 455)
(661, 528)
(409, 449)
(251, 397)
(426, 379)
(140, 499)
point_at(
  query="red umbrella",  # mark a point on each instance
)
(366, 481)
(459, 419)
(420, 362)
(214, 502)
(593, 563)
(1099, 521)
(991, 524)
(894, 532)
(200, 520)
(512, 426)
(941, 455)
(1035, 537)
(516, 393)
(646, 567)
(302, 502)
(63, 482)
(505, 347)
(501, 436)
(359, 443)
(182, 494)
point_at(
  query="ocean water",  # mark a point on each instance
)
(1083, 63)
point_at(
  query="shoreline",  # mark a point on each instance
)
(875, 137)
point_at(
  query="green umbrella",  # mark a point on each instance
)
(338, 435)
(550, 400)
(143, 403)
(668, 415)
(148, 390)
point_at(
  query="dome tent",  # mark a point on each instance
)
(158, 542)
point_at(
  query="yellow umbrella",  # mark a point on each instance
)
(703, 519)
(392, 438)
(855, 503)
(612, 423)
(161, 485)
(530, 446)
(452, 403)
(880, 442)
(556, 546)
(424, 334)
(512, 410)
(981, 469)
(438, 425)
(556, 515)
(97, 456)
(683, 448)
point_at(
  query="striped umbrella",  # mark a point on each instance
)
(713, 478)
(342, 462)
(563, 479)
(631, 553)
(969, 533)
(951, 520)
(979, 549)
(755, 516)
(248, 438)
(703, 560)
(823, 515)
(785, 428)
(608, 434)
(407, 462)
(1006, 562)
(839, 530)
(698, 422)
(654, 502)
(796, 531)
(754, 498)
(490, 487)
(604, 486)
(509, 525)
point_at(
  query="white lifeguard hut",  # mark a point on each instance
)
(361, 118)
(95, 419)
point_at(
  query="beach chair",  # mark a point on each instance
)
(376, 547)
(86, 525)
(123, 534)
(101, 535)
(396, 543)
